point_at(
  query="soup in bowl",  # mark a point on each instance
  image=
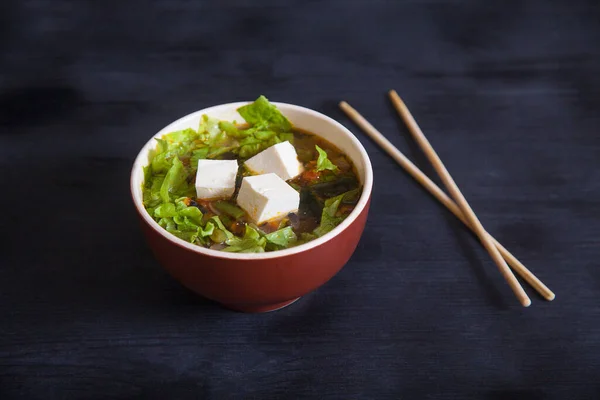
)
(253, 205)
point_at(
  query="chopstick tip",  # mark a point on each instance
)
(344, 106)
(526, 302)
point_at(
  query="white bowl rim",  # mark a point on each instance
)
(142, 158)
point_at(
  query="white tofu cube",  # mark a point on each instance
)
(215, 179)
(280, 159)
(267, 197)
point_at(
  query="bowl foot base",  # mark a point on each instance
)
(262, 308)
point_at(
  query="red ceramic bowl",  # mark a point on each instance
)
(262, 281)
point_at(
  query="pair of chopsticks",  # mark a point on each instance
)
(458, 205)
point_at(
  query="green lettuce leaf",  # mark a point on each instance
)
(329, 220)
(249, 150)
(198, 154)
(286, 137)
(304, 237)
(233, 131)
(188, 236)
(165, 210)
(160, 161)
(264, 135)
(207, 230)
(175, 140)
(281, 238)
(185, 224)
(175, 179)
(167, 223)
(264, 114)
(193, 214)
(147, 176)
(208, 127)
(229, 209)
(152, 194)
(220, 233)
(323, 162)
(252, 242)
(216, 151)
(328, 216)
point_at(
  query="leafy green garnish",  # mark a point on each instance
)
(252, 242)
(152, 193)
(231, 129)
(193, 214)
(281, 238)
(181, 220)
(229, 209)
(174, 180)
(198, 154)
(165, 210)
(323, 162)
(329, 220)
(220, 233)
(207, 230)
(263, 114)
(208, 128)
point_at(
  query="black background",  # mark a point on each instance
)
(508, 92)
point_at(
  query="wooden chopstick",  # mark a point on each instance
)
(459, 199)
(441, 196)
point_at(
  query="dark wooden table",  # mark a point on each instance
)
(507, 92)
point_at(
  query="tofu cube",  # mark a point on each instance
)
(267, 197)
(215, 179)
(280, 159)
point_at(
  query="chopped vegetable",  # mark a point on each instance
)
(173, 181)
(329, 220)
(263, 114)
(229, 209)
(323, 162)
(281, 238)
(252, 242)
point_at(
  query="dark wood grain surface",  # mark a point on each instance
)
(507, 92)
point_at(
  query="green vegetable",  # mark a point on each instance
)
(329, 220)
(207, 230)
(185, 224)
(323, 162)
(208, 128)
(249, 150)
(174, 180)
(263, 114)
(286, 137)
(264, 135)
(304, 237)
(165, 210)
(252, 242)
(167, 223)
(220, 233)
(281, 238)
(229, 209)
(152, 194)
(160, 163)
(231, 129)
(193, 214)
(198, 154)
